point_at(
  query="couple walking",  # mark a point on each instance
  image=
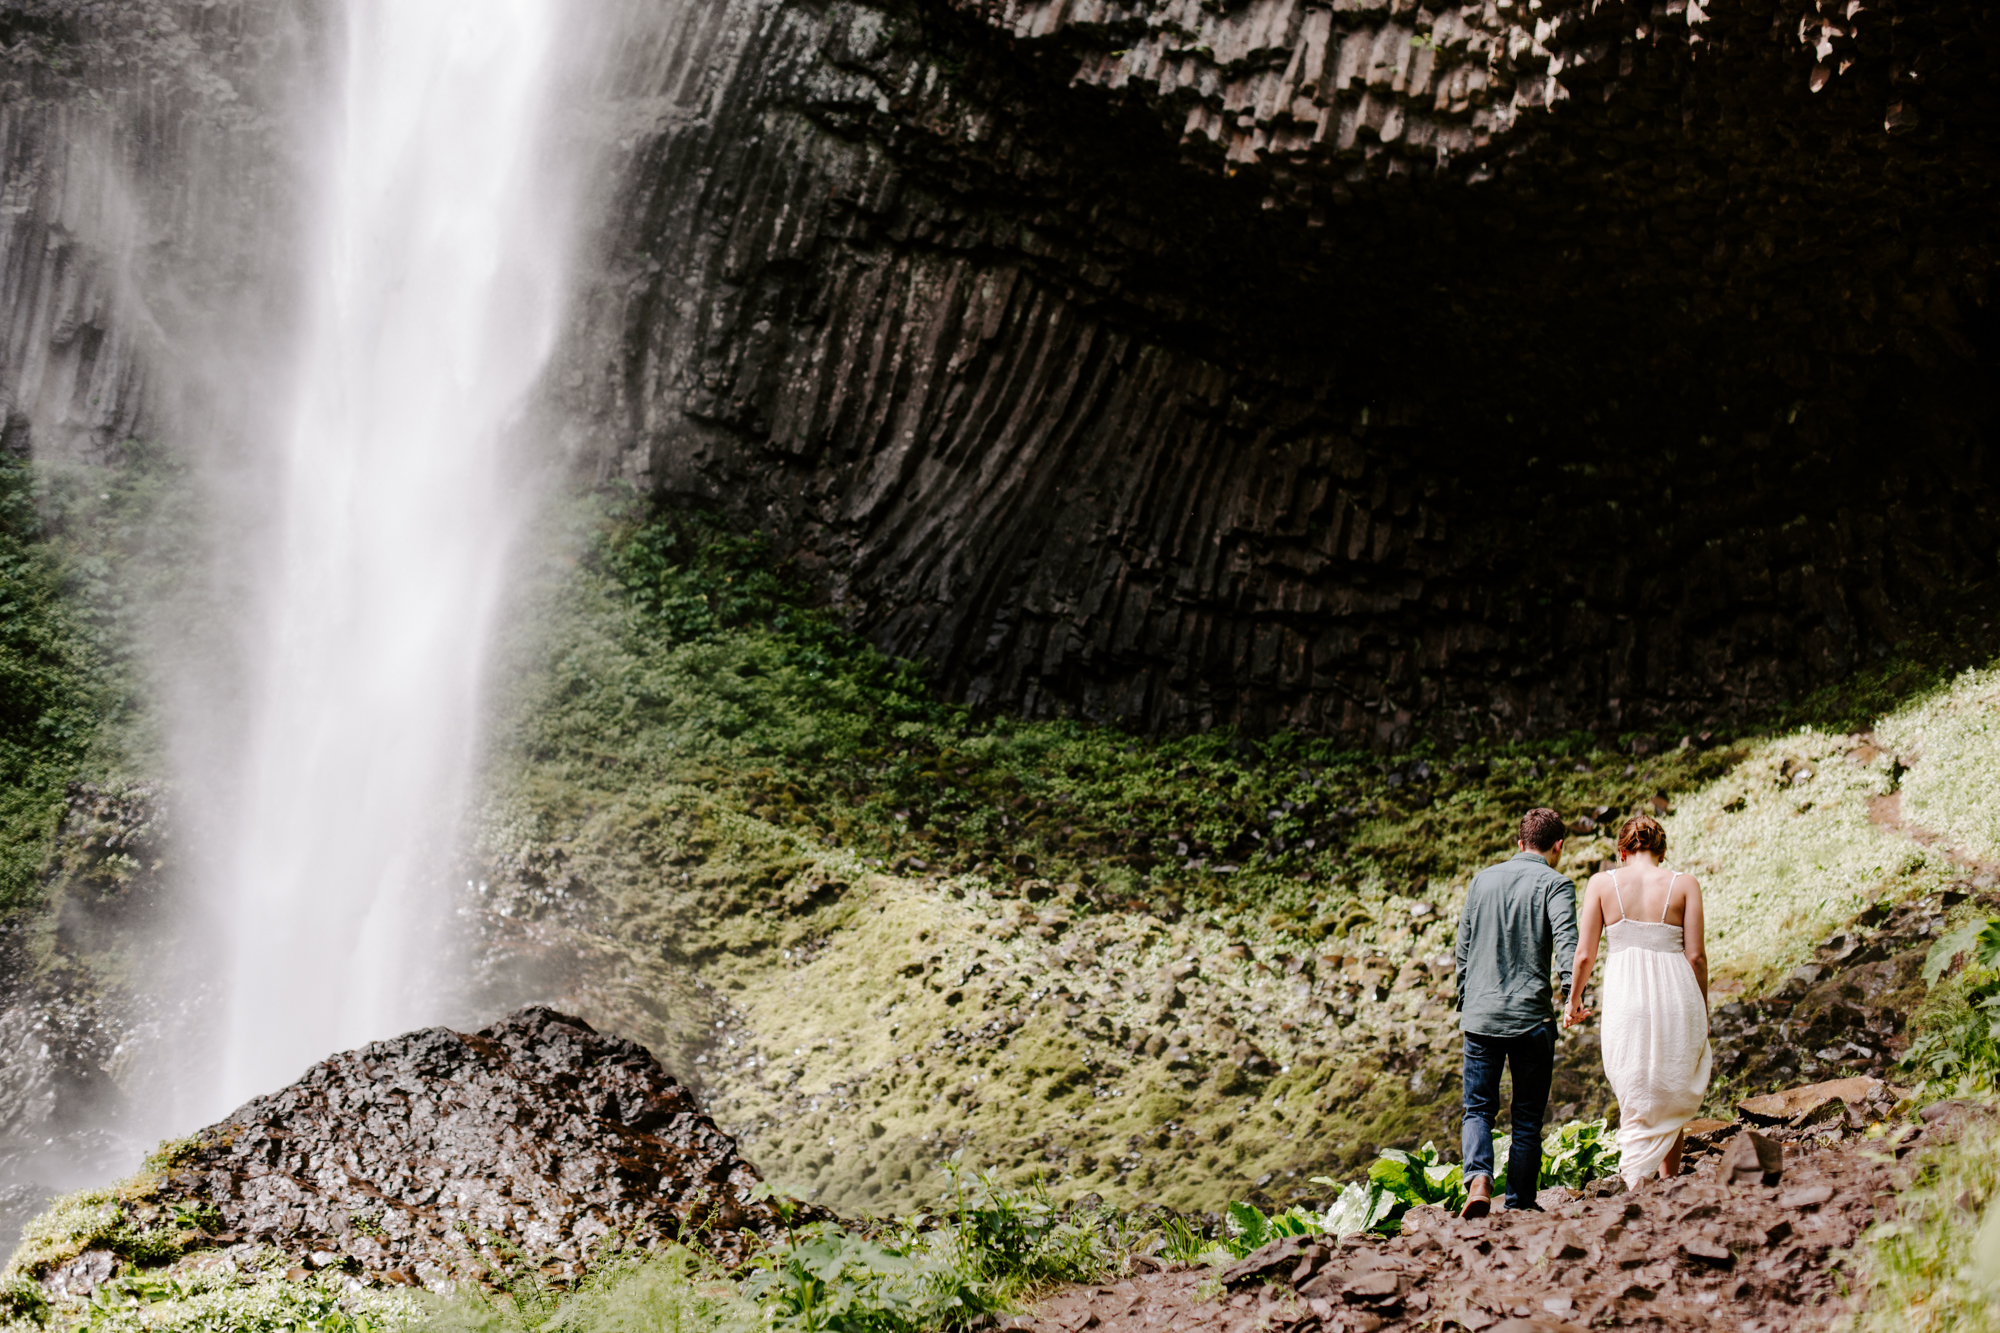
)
(1520, 916)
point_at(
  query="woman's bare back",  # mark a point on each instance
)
(1647, 893)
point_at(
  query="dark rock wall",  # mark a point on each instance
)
(1352, 367)
(144, 176)
(1348, 368)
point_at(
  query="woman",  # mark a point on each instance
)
(1655, 1036)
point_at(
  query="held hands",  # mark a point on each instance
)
(1577, 1014)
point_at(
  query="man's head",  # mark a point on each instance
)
(1542, 832)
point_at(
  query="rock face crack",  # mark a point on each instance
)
(431, 1156)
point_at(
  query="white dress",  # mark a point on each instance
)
(1655, 1037)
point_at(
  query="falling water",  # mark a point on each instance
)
(434, 287)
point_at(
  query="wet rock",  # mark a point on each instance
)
(442, 1148)
(81, 1275)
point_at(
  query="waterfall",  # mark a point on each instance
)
(433, 290)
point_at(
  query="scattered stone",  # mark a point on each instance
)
(1812, 1196)
(1753, 1159)
(81, 1275)
(1795, 1104)
(1708, 1252)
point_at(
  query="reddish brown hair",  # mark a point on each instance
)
(1542, 828)
(1642, 833)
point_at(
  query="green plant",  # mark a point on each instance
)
(1180, 1243)
(1250, 1229)
(1399, 1180)
(1018, 1240)
(49, 678)
(22, 1301)
(1360, 1206)
(1579, 1152)
(1956, 1049)
(1935, 1264)
(828, 1279)
(674, 1290)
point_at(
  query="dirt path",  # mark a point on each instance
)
(1701, 1252)
(1887, 812)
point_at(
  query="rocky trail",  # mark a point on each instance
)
(1727, 1244)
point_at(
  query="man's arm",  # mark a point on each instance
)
(1562, 925)
(1463, 953)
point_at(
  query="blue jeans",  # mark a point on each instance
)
(1533, 1056)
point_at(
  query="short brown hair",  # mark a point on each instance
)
(1542, 828)
(1642, 833)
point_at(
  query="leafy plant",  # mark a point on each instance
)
(1578, 1153)
(1361, 1206)
(1956, 1049)
(1181, 1243)
(1978, 938)
(1399, 1180)
(1251, 1230)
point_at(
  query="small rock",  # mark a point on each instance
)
(1376, 1288)
(1709, 1252)
(1277, 1257)
(1752, 1159)
(82, 1275)
(1812, 1196)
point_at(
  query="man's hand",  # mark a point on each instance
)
(1577, 1014)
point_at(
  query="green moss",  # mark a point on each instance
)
(127, 1218)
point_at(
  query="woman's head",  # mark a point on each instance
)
(1642, 833)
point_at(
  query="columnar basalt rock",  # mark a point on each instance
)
(1490, 369)
(1312, 366)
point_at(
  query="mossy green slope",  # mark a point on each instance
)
(876, 930)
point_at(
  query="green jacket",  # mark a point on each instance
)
(1517, 914)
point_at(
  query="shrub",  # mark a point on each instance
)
(1936, 1264)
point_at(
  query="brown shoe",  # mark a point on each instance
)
(1478, 1197)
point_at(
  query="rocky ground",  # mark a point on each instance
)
(1727, 1244)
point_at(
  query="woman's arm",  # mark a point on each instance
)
(1692, 943)
(1589, 926)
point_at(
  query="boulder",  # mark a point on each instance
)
(438, 1154)
(1795, 1105)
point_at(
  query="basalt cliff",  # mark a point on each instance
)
(1356, 367)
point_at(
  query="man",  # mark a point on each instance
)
(1517, 915)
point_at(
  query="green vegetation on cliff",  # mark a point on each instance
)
(92, 560)
(50, 688)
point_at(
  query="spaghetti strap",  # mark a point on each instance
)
(1670, 896)
(1622, 913)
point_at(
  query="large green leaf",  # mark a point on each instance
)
(1360, 1207)
(1978, 937)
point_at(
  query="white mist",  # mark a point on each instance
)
(434, 280)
